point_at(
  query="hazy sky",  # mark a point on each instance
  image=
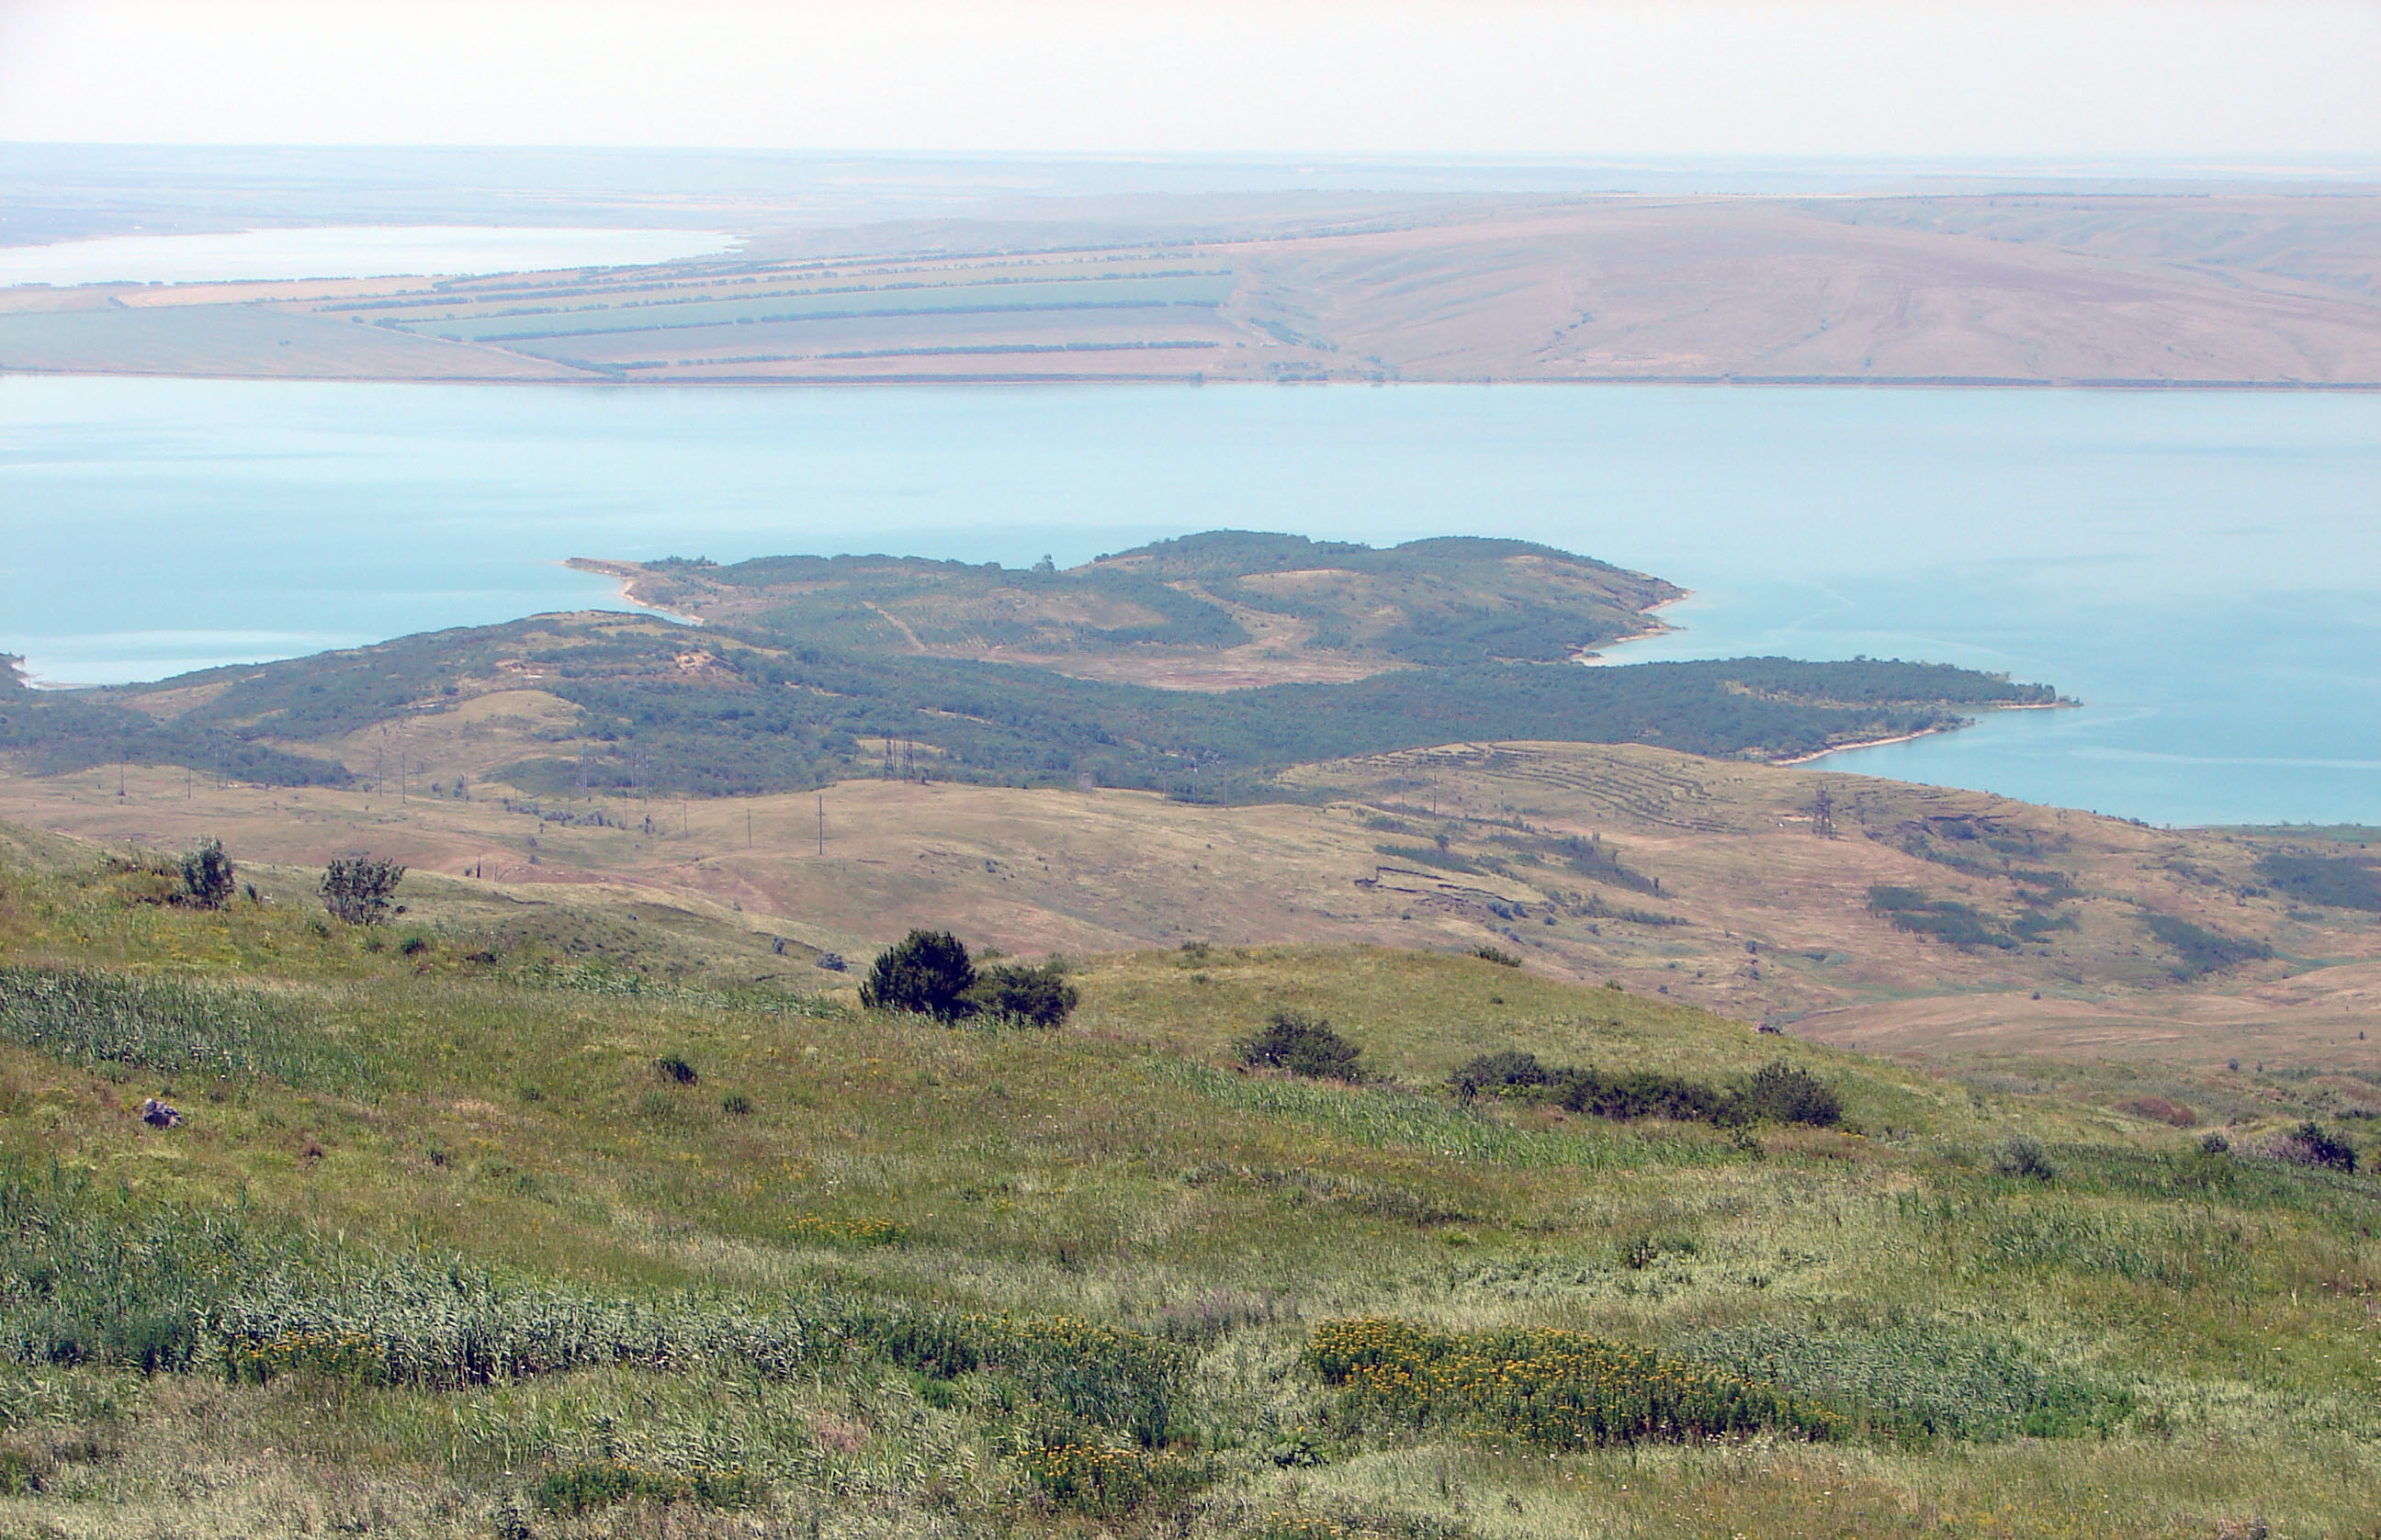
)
(2161, 78)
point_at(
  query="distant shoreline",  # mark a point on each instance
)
(624, 573)
(1929, 731)
(1785, 382)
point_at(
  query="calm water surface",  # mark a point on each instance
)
(2204, 570)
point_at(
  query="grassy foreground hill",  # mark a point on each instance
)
(462, 1234)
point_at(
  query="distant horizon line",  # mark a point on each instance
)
(2352, 164)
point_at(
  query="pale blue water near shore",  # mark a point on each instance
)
(2203, 569)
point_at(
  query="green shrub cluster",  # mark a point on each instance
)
(1778, 1092)
(929, 972)
(1301, 1044)
(1556, 1390)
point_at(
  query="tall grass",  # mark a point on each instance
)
(171, 1026)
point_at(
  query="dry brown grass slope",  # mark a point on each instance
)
(1767, 921)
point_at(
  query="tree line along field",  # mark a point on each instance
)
(461, 1233)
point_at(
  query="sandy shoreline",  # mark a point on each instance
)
(626, 575)
(1660, 628)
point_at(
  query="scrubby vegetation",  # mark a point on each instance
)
(1778, 1092)
(735, 709)
(1962, 925)
(2339, 881)
(2199, 951)
(1301, 1044)
(446, 1245)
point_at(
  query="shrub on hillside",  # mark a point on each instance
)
(926, 973)
(1041, 996)
(2310, 1144)
(1498, 1073)
(357, 888)
(2022, 1156)
(1781, 1093)
(208, 880)
(1301, 1044)
(1776, 1093)
(1498, 955)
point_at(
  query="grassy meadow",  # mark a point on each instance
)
(463, 1233)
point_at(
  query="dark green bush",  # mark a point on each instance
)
(1776, 1093)
(1780, 1093)
(1645, 1093)
(926, 973)
(208, 880)
(1041, 996)
(674, 1068)
(1303, 1044)
(1496, 1073)
(1498, 955)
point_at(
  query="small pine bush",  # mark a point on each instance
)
(1303, 1044)
(926, 973)
(674, 1069)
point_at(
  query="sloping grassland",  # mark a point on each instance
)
(462, 1234)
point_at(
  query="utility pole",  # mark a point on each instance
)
(822, 845)
(748, 829)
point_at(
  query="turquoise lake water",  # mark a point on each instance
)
(2202, 569)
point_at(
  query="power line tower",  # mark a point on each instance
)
(1822, 813)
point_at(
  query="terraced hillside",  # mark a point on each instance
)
(2070, 286)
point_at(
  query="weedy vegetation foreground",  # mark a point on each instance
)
(456, 1236)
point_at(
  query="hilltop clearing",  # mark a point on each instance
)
(2237, 287)
(446, 1229)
